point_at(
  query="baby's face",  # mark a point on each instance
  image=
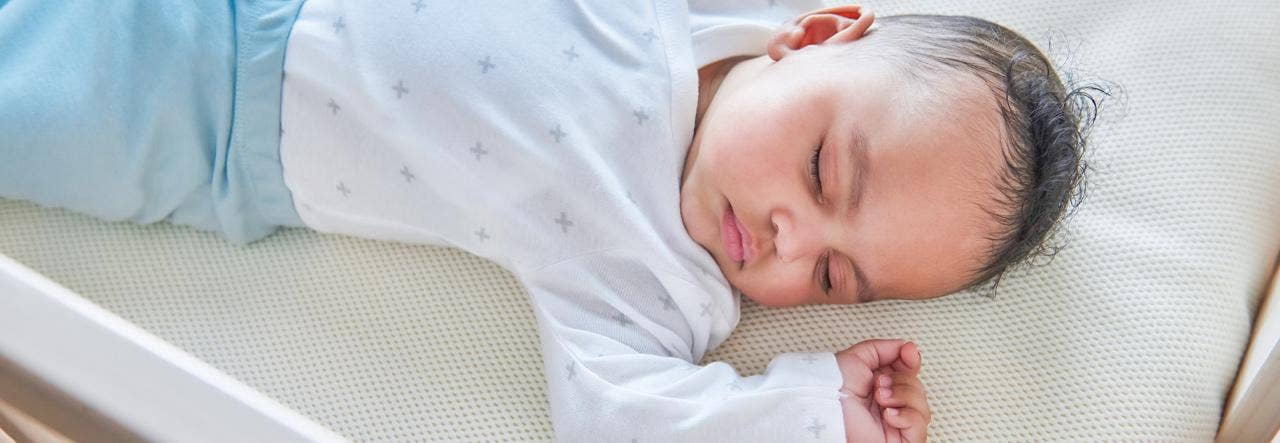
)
(904, 176)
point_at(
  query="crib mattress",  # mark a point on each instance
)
(1134, 331)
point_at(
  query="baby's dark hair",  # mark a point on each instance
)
(1046, 126)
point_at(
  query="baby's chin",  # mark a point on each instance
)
(733, 286)
(740, 294)
(773, 299)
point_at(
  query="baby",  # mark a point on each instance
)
(638, 167)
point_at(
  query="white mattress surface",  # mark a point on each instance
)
(1134, 331)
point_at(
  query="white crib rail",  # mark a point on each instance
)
(120, 380)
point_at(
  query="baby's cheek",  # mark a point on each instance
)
(752, 160)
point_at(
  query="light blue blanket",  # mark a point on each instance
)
(147, 110)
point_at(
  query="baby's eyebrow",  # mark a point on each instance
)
(857, 158)
(864, 286)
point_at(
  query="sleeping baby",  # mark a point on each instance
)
(638, 166)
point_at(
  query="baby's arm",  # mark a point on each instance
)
(887, 401)
(621, 364)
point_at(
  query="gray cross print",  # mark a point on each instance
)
(478, 150)
(486, 65)
(706, 309)
(482, 235)
(400, 89)
(342, 187)
(338, 25)
(641, 116)
(735, 386)
(667, 303)
(408, 175)
(622, 318)
(564, 222)
(571, 53)
(815, 427)
(558, 133)
(810, 359)
(417, 6)
(334, 106)
(649, 36)
(569, 367)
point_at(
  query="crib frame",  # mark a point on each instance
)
(93, 376)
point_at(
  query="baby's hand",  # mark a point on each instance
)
(886, 400)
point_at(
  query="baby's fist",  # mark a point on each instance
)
(886, 401)
(903, 404)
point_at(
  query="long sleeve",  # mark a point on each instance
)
(618, 350)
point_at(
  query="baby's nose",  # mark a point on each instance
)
(792, 240)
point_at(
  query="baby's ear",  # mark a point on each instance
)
(840, 24)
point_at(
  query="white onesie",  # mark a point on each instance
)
(550, 138)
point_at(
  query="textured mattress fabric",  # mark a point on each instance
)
(1134, 331)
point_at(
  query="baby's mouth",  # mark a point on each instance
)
(731, 235)
(735, 237)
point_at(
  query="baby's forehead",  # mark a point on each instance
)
(960, 121)
(951, 101)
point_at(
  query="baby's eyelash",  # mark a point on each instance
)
(813, 168)
(824, 278)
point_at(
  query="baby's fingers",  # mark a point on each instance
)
(909, 359)
(898, 390)
(913, 425)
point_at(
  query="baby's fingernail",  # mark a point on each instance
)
(891, 411)
(885, 381)
(886, 393)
